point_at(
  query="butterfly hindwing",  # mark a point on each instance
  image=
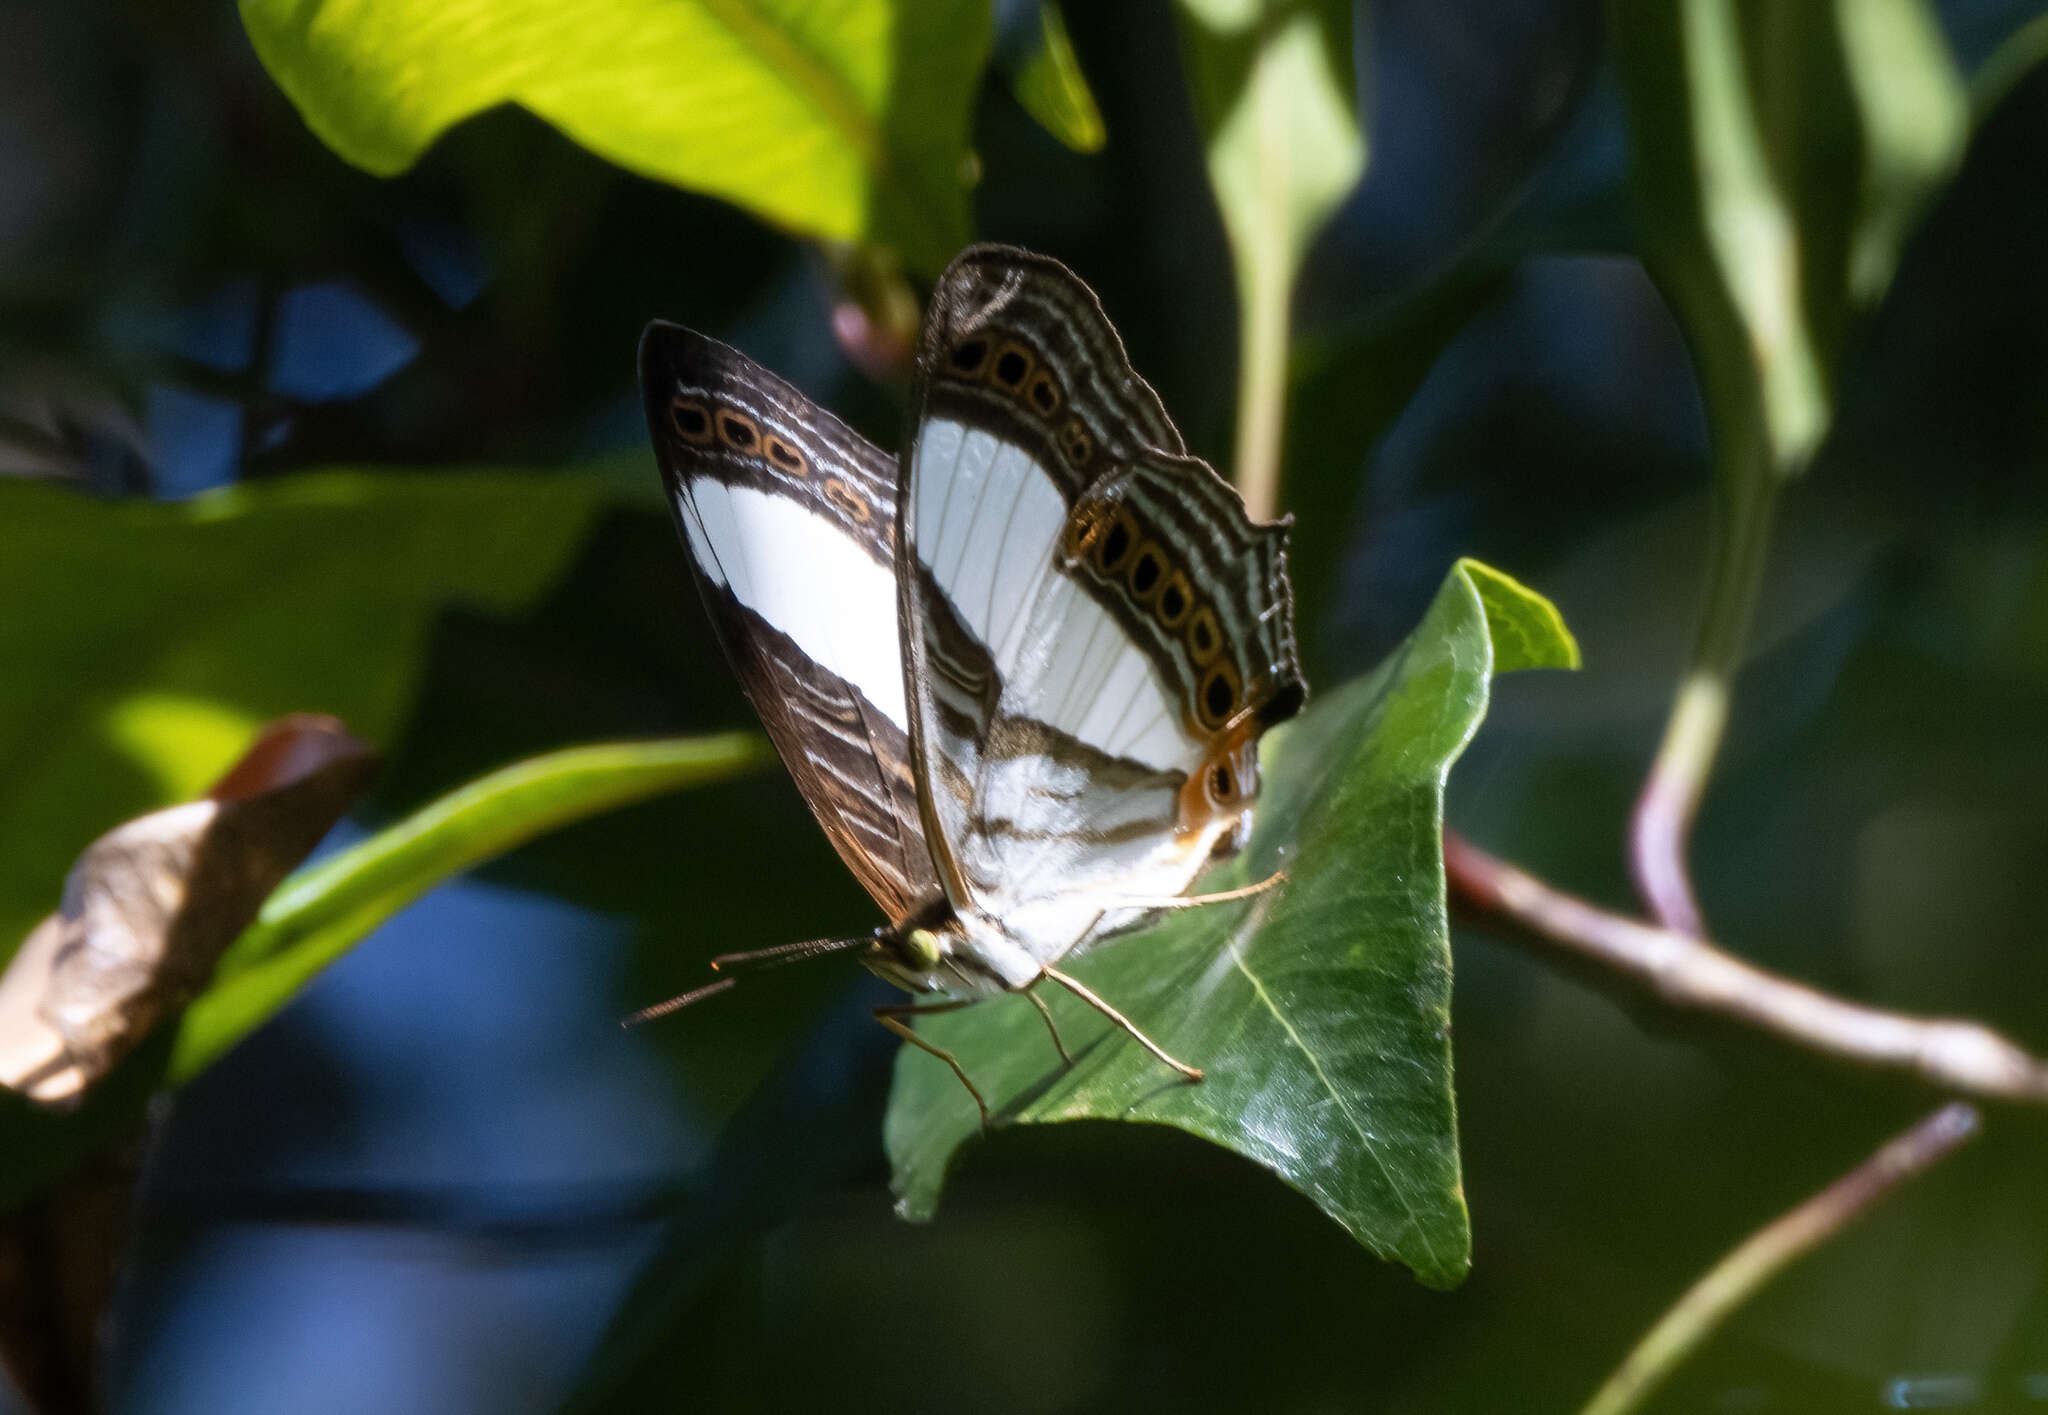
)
(1097, 631)
(789, 516)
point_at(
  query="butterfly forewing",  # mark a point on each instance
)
(1097, 632)
(789, 516)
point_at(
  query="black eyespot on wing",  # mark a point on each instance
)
(1013, 366)
(1146, 572)
(848, 501)
(1219, 695)
(1220, 782)
(691, 420)
(1044, 394)
(785, 456)
(737, 431)
(1175, 601)
(1076, 443)
(1205, 637)
(1114, 546)
(968, 356)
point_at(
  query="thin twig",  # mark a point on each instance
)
(1768, 1251)
(1660, 827)
(1688, 972)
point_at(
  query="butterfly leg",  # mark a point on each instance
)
(1088, 995)
(1189, 901)
(892, 1018)
(1046, 1012)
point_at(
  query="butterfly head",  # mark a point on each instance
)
(918, 957)
(932, 952)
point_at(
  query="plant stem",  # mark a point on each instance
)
(1661, 826)
(1262, 384)
(1767, 1252)
(1688, 972)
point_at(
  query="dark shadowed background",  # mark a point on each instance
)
(430, 1184)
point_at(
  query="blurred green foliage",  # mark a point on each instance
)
(147, 643)
(1052, 88)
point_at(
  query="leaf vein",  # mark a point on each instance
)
(1316, 1065)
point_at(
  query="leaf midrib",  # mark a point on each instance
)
(1315, 1064)
(808, 76)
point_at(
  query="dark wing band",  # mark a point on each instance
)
(789, 516)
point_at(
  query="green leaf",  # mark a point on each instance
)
(1320, 1010)
(1273, 89)
(1783, 153)
(1052, 88)
(144, 643)
(320, 913)
(1526, 629)
(845, 121)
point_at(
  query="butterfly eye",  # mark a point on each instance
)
(1013, 366)
(1219, 693)
(737, 431)
(1205, 638)
(786, 457)
(1175, 601)
(690, 420)
(921, 949)
(1044, 393)
(968, 356)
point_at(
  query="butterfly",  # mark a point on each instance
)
(1020, 674)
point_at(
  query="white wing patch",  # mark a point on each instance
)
(989, 523)
(808, 578)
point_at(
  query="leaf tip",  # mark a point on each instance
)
(1526, 628)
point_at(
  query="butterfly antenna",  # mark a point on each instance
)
(678, 1002)
(741, 964)
(762, 959)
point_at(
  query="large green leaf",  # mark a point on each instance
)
(1320, 1010)
(145, 643)
(843, 119)
(1273, 88)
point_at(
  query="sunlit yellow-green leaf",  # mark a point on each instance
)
(143, 643)
(842, 119)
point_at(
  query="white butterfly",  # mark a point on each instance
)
(1024, 696)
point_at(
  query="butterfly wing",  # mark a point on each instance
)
(789, 516)
(1097, 631)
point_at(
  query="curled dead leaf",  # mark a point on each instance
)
(150, 905)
